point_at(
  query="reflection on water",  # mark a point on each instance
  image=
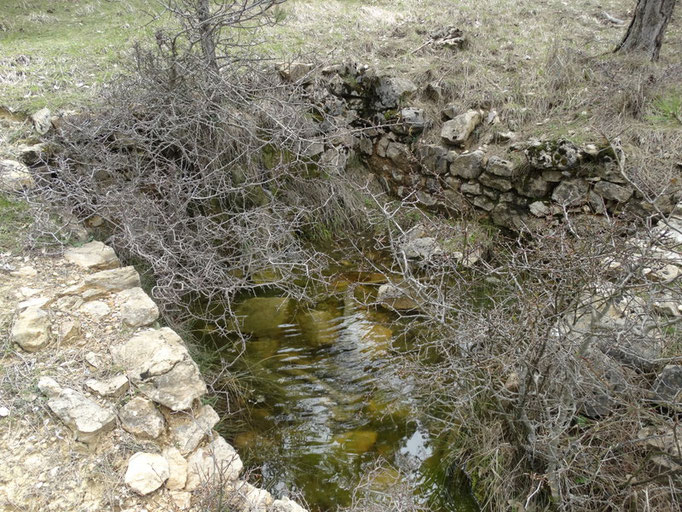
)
(330, 404)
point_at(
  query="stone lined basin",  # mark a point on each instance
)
(329, 403)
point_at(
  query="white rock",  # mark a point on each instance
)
(4, 412)
(31, 154)
(182, 499)
(672, 230)
(457, 130)
(293, 71)
(150, 353)
(84, 416)
(177, 466)
(31, 329)
(106, 281)
(146, 472)
(158, 363)
(394, 297)
(49, 387)
(137, 308)
(114, 387)
(539, 209)
(667, 308)
(33, 302)
(191, 430)
(93, 255)
(424, 248)
(25, 271)
(177, 389)
(215, 462)
(249, 498)
(27, 292)
(69, 330)
(42, 120)
(93, 359)
(286, 505)
(15, 177)
(666, 273)
(96, 309)
(141, 418)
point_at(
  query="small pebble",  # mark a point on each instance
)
(4, 412)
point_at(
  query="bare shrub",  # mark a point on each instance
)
(544, 415)
(216, 180)
(545, 360)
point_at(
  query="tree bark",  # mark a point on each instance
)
(206, 34)
(645, 33)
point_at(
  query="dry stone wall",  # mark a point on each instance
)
(516, 184)
(101, 408)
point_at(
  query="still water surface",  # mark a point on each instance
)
(330, 402)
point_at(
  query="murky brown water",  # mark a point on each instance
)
(329, 403)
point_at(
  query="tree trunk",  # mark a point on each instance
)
(206, 34)
(645, 33)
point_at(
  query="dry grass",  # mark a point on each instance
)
(61, 53)
(546, 67)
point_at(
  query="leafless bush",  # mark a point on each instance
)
(219, 31)
(216, 180)
(547, 355)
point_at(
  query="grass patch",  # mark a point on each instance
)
(60, 53)
(14, 218)
(668, 107)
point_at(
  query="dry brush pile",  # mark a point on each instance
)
(214, 180)
(548, 382)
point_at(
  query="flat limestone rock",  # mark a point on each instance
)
(215, 462)
(96, 309)
(286, 505)
(37, 302)
(146, 472)
(177, 466)
(31, 329)
(158, 363)
(137, 308)
(93, 255)
(84, 416)
(115, 387)
(176, 389)
(663, 445)
(150, 353)
(141, 418)
(15, 176)
(26, 271)
(192, 429)
(106, 281)
(457, 130)
(394, 297)
(244, 496)
(181, 499)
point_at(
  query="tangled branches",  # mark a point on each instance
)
(214, 181)
(548, 367)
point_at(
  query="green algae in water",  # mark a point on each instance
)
(329, 405)
(356, 441)
(263, 316)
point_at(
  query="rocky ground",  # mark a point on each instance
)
(101, 407)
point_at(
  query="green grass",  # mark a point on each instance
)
(668, 107)
(60, 53)
(14, 218)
